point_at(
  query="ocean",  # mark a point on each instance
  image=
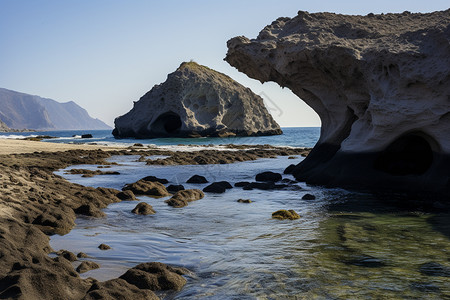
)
(292, 136)
(346, 245)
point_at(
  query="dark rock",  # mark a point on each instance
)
(104, 247)
(268, 176)
(156, 276)
(197, 179)
(292, 157)
(260, 186)
(149, 188)
(89, 210)
(241, 183)
(244, 201)
(366, 261)
(218, 187)
(126, 195)
(435, 269)
(175, 188)
(182, 198)
(82, 255)
(86, 136)
(155, 179)
(289, 169)
(283, 214)
(87, 266)
(308, 197)
(67, 255)
(143, 209)
(118, 289)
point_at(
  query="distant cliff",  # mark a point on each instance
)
(3, 127)
(20, 111)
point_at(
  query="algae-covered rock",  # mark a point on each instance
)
(283, 214)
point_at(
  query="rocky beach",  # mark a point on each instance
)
(198, 193)
(36, 203)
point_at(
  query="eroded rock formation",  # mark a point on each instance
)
(197, 101)
(381, 86)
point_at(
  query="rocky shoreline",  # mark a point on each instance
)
(36, 203)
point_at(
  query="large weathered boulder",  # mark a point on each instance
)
(381, 86)
(197, 101)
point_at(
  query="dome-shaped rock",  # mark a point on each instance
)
(197, 101)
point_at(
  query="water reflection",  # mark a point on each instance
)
(346, 245)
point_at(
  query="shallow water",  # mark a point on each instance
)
(345, 245)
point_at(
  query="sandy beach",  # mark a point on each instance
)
(11, 146)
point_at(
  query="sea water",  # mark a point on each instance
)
(292, 136)
(346, 245)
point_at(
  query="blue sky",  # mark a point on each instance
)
(106, 54)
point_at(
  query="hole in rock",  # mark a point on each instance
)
(167, 123)
(408, 155)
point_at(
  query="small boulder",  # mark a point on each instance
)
(104, 247)
(148, 188)
(155, 179)
(268, 176)
(197, 179)
(283, 214)
(87, 266)
(82, 255)
(260, 186)
(182, 198)
(308, 197)
(218, 187)
(241, 183)
(173, 188)
(67, 255)
(244, 201)
(127, 195)
(86, 136)
(89, 210)
(156, 276)
(434, 269)
(143, 209)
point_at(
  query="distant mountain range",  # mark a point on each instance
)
(23, 111)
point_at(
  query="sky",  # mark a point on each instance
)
(105, 54)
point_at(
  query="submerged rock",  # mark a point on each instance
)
(87, 266)
(173, 188)
(218, 187)
(197, 101)
(197, 179)
(308, 197)
(181, 198)
(244, 201)
(268, 176)
(283, 214)
(434, 269)
(104, 247)
(143, 208)
(148, 188)
(380, 85)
